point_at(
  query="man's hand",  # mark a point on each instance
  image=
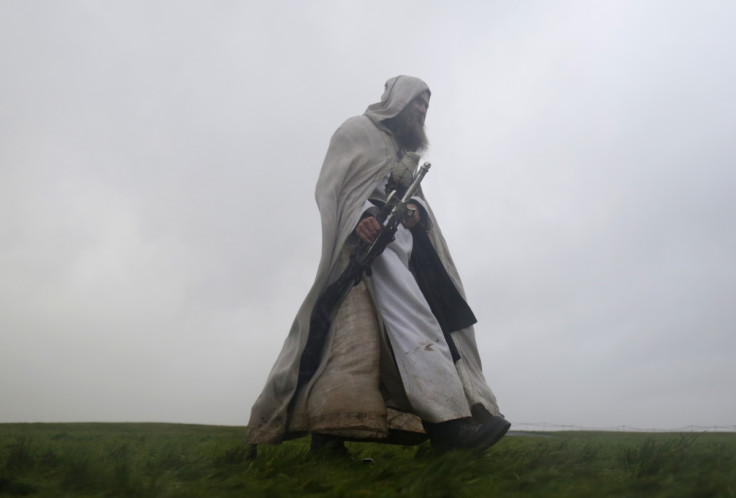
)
(412, 220)
(367, 229)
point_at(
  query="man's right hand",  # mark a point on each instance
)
(367, 229)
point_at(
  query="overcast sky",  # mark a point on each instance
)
(158, 229)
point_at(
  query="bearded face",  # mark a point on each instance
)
(408, 128)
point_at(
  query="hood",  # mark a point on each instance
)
(399, 91)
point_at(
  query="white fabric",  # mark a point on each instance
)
(427, 371)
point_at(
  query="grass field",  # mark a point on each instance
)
(170, 460)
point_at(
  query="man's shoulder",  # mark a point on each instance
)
(357, 125)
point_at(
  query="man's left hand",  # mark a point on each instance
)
(412, 220)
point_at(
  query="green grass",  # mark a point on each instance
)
(170, 460)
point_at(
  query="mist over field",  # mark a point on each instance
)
(158, 230)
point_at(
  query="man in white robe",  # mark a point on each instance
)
(400, 361)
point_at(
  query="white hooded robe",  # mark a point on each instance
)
(357, 391)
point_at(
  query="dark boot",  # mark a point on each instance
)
(325, 446)
(466, 433)
(252, 453)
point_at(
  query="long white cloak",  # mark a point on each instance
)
(345, 396)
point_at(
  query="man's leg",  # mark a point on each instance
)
(427, 371)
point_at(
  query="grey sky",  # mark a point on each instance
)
(158, 229)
